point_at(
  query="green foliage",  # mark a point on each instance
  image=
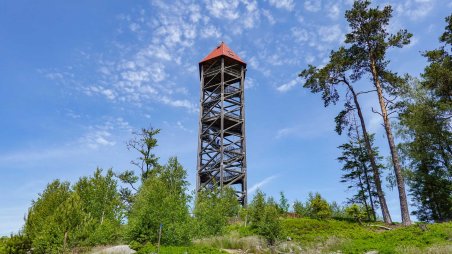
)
(149, 248)
(368, 42)
(390, 241)
(283, 204)
(61, 218)
(337, 211)
(425, 127)
(213, 209)
(428, 153)
(355, 238)
(15, 244)
(264, 217)
(358, 174)
(256, 208)
(308, 230)
(300, 209)
(357, 212)
(318, 208)
(100, 199)
(144, 142)
(247, 244)
(438, 74)
(161, 200)
(44, 207)
(270, 226)
(51, 208)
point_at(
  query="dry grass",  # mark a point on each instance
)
(438, 249)
(249, 244)
(331, 245)
(119, 249)
(255, 244)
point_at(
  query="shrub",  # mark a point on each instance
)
(17, 244)
(213, 209)
(358, 213)
(161, 201)
(318, 208)
(265, 217)
(300, 209)
(149, 248)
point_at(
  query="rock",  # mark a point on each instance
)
(120, 249)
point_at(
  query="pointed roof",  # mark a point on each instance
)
(222, 50)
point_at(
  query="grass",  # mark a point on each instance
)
(349, 237)
(338, 236)
(251, 244)
(150, 249)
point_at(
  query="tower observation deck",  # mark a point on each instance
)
(221, 143)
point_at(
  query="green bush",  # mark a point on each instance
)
(213, 209)
(162, 201)
(318, 207)
(358, 213)
(149, 248)
(15, 244)
(355, 238)
(264, 217)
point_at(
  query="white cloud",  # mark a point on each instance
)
(134, 27)
(313, 5)
(105, 134)
(210, 31)
(414, 9)
(194, 13)
(287, 86)
(309, 59)
(330, 33)
(179, 103)
(251, 19)
(91, 90)
(250, 83)
(182, 127)
(283, 4)
(227, 9)
(269, 16)
(334, 11)
(159, 51)
(260, 184)
(300, 34)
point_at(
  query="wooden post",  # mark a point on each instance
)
(160, 236)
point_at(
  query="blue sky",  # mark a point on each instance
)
(77, 77)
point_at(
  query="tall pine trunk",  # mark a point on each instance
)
(366, 177)
(395, 157)
(363, 194)
(373, 164)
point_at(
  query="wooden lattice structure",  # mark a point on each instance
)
(221, 144)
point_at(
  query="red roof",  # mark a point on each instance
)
(222, 50)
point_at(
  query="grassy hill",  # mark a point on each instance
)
(339, 236)
(306, 235)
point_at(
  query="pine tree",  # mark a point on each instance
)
(369, 42)
(425, 126)
(338, 71)
(356, 165)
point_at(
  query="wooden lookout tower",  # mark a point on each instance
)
(221, 143)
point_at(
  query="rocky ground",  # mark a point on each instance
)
(120, 249)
